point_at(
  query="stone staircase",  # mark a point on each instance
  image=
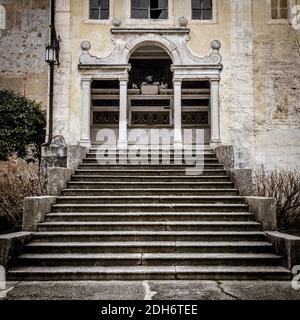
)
(141, 222)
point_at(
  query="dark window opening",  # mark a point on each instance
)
(105, 84)
(149, 9)
(202, 9)
(195, 85)
(99, 9)
(279, 9)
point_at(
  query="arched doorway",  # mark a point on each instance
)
(154, 106)
(150, 88)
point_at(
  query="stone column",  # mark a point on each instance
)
(215, 113)
(177, 114)
(122, 143)
(86, 113)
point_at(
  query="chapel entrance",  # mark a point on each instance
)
(151, 97)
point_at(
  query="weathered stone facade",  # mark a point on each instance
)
(276, 95)
(22, 43)
(259, 86)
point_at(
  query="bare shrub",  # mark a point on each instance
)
(284, 186)
(18, 181)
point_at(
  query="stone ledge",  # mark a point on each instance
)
(11, 245)
(150, 30)
(264, 210)
(287, 246)
(225, 153)
(242, 179)
(35, 210)
(56, 180)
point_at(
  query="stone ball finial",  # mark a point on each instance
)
(216, 45)
(85, 45)
(116, 22)
(183, 22)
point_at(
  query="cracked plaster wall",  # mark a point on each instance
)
(22, 45)
(260, 82)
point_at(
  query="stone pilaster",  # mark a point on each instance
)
(241, 79)
(62, 77)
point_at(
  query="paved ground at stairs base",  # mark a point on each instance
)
(151, 290)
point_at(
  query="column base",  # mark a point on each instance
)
(86, 143)
(215, 143)
(178, 145)
(122, 145)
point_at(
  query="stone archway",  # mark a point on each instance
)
(185, 67)
(150, 103)
(154, 40)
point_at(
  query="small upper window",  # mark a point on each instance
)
(202, 9)
(279, 9)
(99, 9)
(2, 18)
(149, 9)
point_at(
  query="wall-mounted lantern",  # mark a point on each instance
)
(52, 52)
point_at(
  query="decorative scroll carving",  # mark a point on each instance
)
(175, 44)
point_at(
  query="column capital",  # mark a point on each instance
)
(214, 81)
(177, 81)
(123, 80)
(86, 81)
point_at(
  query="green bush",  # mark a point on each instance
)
(22, 123)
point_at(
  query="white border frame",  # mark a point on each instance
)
(214, 19)
(3, 15)
(87, 19)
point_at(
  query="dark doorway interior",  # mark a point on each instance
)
(160, 69)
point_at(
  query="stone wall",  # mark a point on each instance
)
(276, 92)
(237, 82)
(260, 81)
(22, 45)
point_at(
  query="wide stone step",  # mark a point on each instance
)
(152, 160)
(149, 259)
(171, 207)
(150, 226)
(149, 192)
(149, 247)
(150, 149)
(148, 273)
(150, 199)
(95, 165)
(149, 216)
(142, 173)
(133, 158)
(124, 236)
(149, 185)
(176, 179)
